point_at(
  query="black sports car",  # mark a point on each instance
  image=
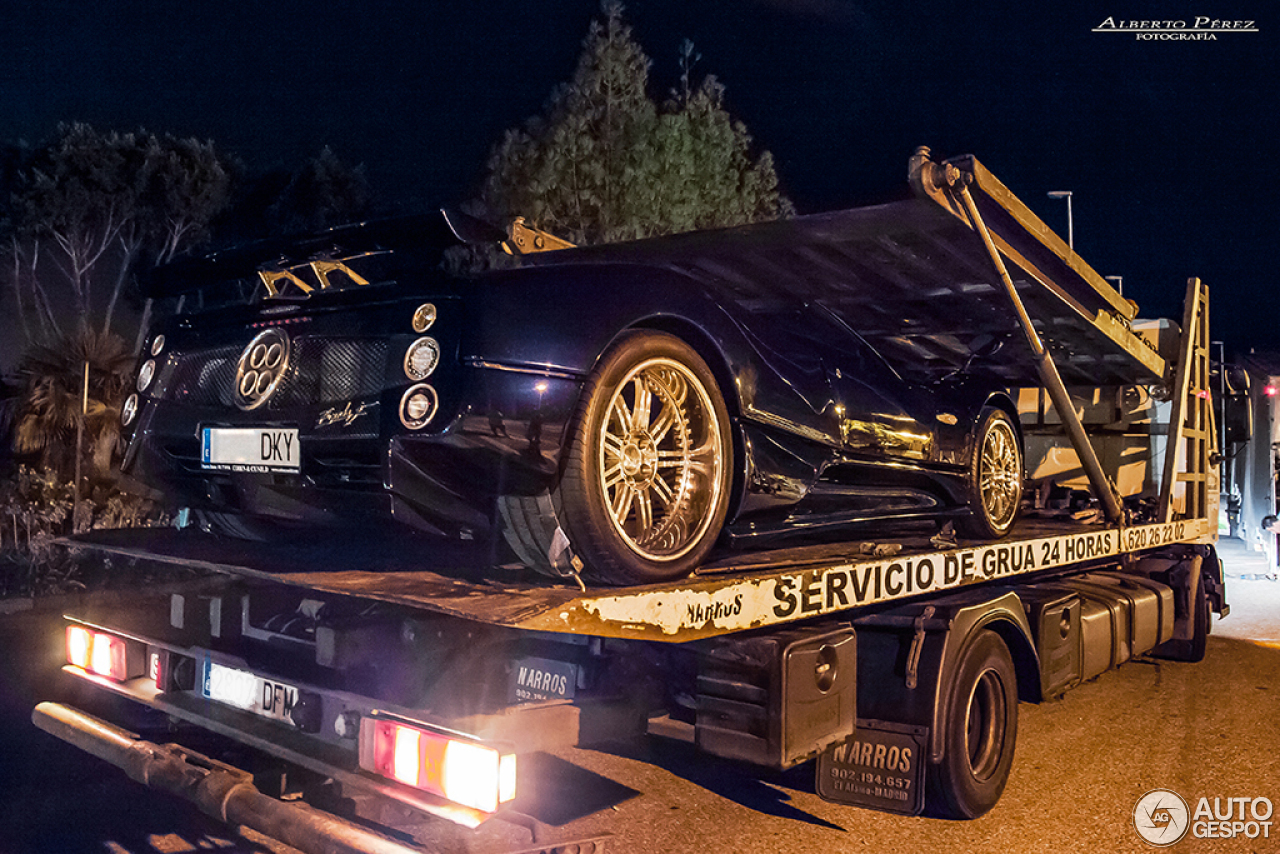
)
(611, 411)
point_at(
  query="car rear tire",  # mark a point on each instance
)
(980, 729)
(644, 482)
(995, 478)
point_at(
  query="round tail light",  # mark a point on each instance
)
(418, 406)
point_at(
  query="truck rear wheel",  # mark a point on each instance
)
(980, 729)
(1194, 647)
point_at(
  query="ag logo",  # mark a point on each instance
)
(1161, 817)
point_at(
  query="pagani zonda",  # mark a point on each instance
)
(612, 410)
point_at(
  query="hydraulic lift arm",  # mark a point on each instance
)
(956, 183)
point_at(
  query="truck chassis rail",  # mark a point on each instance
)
(735, 593)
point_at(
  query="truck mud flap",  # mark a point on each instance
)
(228, 794)
(880, 767)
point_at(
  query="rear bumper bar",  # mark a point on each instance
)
(228, 794)
(218, 790)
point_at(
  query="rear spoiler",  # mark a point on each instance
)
(430, 233)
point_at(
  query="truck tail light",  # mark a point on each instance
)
(79, 646)
(103, 654)
(465, 772)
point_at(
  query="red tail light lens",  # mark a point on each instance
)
(465, 772)
(102, 654)
(79, 646)
(107, 658)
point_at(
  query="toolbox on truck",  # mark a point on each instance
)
(1089, 624)
(1104, 632)
(1147, 609)
(1104, 629)
(1054, 615)
(777, 699)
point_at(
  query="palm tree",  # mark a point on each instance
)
(53, 398)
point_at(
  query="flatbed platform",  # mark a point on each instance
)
(734, 592)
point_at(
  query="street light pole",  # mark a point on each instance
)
(1071, 235)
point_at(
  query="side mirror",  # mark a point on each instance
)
(1237, 408)
(985, 346)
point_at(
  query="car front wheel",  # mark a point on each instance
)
(995, 478)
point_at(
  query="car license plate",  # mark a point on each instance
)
(249, 691)
(258, 449)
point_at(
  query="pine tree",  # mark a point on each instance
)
(605, 163)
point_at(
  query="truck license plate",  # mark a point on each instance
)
(259, 449)
(248, 691)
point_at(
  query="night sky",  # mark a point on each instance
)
(1166, 145)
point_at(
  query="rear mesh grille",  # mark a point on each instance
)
(329, 370)
(201, 379)
(322, 370)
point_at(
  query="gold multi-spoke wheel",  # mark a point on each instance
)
(1000, 473)
(644, 483)
(660, 459)
(996, 485)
